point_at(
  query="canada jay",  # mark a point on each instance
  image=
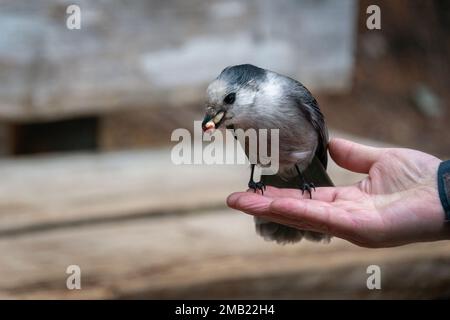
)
(245, 96)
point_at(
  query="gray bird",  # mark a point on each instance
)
(245, 96)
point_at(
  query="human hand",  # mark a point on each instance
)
(397, 203)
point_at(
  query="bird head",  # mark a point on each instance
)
(232, 95)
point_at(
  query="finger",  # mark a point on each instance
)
(354, 156)
(318, 215)
(249, 202)
(258, 205)
(232, 198)
(327, 194)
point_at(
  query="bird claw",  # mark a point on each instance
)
(308, 187)
(257, 186)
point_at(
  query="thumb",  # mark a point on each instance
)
(354, 156)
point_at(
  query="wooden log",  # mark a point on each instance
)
(210, 255)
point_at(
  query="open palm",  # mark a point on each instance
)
(397, 203)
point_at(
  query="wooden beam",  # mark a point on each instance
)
(211, 255)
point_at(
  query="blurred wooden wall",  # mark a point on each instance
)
(130, 62)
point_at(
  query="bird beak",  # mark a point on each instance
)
(206, 121)
(213, 121)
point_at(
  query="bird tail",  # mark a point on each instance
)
(282, 234)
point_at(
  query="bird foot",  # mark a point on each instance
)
(257, 186)
(308, 187)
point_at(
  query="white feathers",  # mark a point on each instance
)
(245, 97)
(217, 91)
(270, 94)
(272, 86)
(301, 155)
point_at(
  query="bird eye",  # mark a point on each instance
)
(229, 98)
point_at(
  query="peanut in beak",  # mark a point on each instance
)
(210, 125)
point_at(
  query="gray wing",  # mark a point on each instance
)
(310, 108)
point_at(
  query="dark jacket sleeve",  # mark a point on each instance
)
(444, 187)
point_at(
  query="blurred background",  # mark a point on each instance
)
(86, 117)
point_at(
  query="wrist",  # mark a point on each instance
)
(434, 226)
(443, 188)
